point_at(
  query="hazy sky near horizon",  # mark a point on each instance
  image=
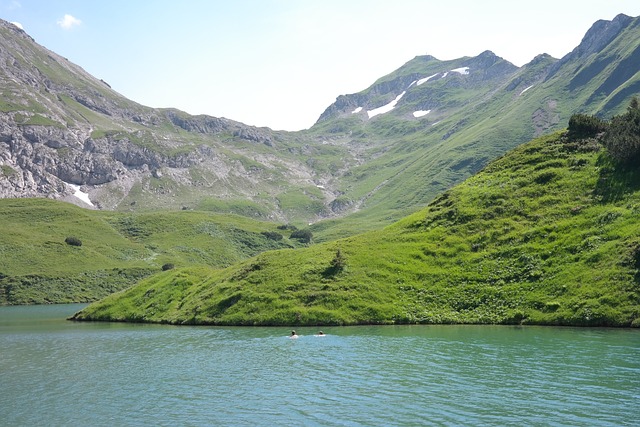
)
(280, 63)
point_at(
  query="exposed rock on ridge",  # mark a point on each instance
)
(58, 125)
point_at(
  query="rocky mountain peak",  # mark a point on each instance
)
(601, 33)
(412, 78)
(488, 55)
(13, 27)
(543, 57)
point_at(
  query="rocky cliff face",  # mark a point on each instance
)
(60, 126)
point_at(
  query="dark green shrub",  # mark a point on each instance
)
(632, 260)
(287, 227)
(273, 235)
(167, 266)
(304, 236)
(544, 177)
(73, 241)
(582, 126)
(622, 138)
(636, 257)
(336, 265)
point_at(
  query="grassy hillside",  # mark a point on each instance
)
(548, 234)
(473, 119)
(37, 266)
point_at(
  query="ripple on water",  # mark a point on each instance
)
(101, 374)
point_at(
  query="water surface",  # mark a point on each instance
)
(56, 372)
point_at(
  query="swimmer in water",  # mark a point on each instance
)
(293, 335)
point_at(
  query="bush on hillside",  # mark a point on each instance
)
(73, 241)
(287, 227)
(273, 235)
(544, 177)
(304, 236)
(582, 126)
(337, 264)
(167, 266)
(622, 138)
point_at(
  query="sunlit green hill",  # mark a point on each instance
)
(547, 234)
(37, 266)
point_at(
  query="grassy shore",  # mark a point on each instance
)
(548, 234)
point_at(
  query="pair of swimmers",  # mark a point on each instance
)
(294, 335)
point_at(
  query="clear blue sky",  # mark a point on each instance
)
(280, 63)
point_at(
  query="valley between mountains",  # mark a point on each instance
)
(445, 192)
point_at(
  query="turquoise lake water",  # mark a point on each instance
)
(59, 373)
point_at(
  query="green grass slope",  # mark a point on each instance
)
(547, 234)
(118, 249)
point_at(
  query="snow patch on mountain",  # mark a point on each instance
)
(385, 108)
(526, 89)
(461, 70)
(426, 79)
(357, 110)
(421, 113)
(80, 194)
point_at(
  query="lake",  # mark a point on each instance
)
(59, 373)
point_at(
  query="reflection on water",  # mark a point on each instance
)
(56, 372)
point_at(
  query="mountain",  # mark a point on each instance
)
(60, 127)
(548, 234)
(444, 120)
(371, 158)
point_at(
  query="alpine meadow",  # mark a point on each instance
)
(465, 191)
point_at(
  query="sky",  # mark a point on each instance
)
(281, 63)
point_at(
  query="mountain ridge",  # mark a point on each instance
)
(61, 126)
